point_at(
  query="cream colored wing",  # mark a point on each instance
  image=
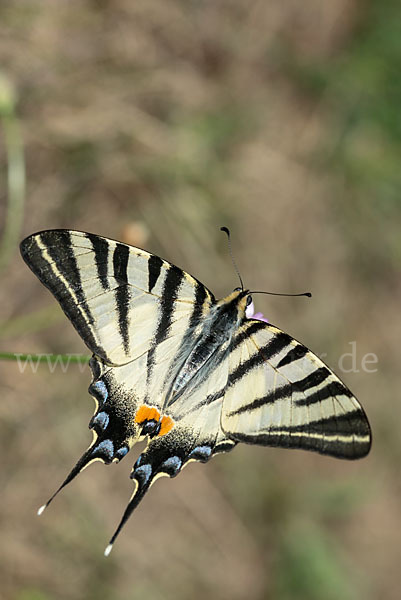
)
(281, 394)
(122, 300)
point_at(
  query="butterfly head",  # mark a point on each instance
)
(244, 300)
(236, 303)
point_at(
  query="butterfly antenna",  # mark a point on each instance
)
(308, 294)
(227, 231)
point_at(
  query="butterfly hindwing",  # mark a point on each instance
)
(281, 394)
(196, 434)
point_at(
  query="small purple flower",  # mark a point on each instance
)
(250, 314)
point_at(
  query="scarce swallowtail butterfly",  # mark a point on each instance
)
(190, 373)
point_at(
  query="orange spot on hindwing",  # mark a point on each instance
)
(146, 413)
(152, 423)
(166, 426)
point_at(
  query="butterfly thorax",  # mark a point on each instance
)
(214, 338)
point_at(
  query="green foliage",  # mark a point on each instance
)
(361, 87)
(310, 567)
(32, 594)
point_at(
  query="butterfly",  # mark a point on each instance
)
(191, 374)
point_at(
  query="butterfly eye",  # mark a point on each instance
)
(249, 300)
(237, 289)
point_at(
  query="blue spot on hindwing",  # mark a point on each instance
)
(99, 390)
(139, 461)
(172, 466)
(101, 420)
(123, 451)
(142, 474)
(106, 448)
(201, 453)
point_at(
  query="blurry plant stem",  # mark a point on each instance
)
(15, 176)
(45, 358)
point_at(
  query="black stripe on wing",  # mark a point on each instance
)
(200, 298)
(67, 266)
(250, 327)
(264, 353)
(60, 274)
(312, 380)
(334, 388)
(120, 266)
(282, 392)
(101, 249)
(296, 353)
(345, 436)
(172, 282)
(171, 286)
(154, 267)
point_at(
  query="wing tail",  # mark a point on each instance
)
(144, 477)
(166, 455)
(91, 455)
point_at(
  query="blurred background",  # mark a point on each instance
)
(155, 123)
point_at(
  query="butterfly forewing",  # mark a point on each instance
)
(281, 394)
(122, 300)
